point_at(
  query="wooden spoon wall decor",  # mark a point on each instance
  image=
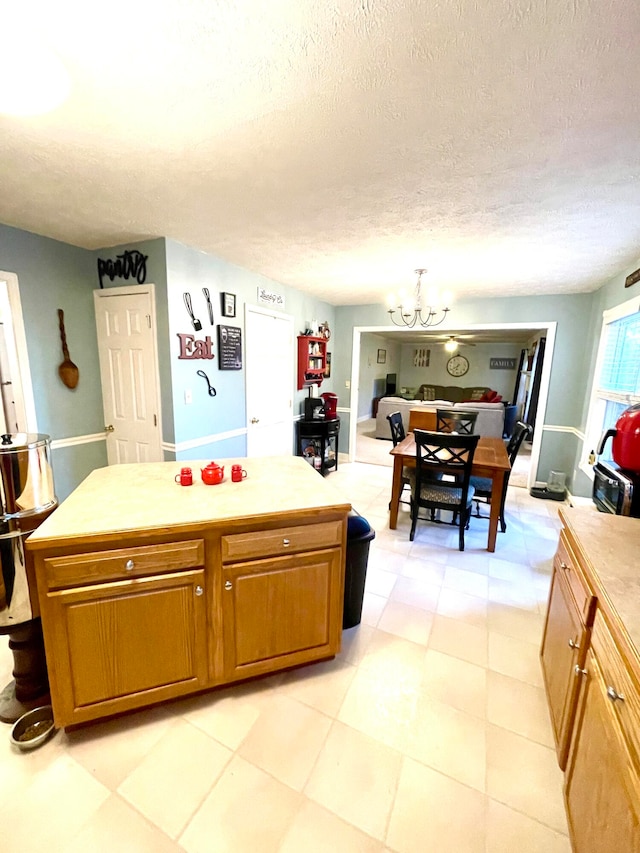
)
(67, 371)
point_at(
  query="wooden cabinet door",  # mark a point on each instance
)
(562, 649)
(116, 646)
(602, 791)
(281, 612)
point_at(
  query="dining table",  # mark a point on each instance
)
(490, 460)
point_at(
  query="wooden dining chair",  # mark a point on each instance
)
(397, 428)
(450, 457)
(398, 435)
(461, 421)
(482, 485)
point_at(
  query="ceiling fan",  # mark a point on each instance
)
(452, 342)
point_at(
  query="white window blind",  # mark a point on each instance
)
(620, 373)
(617, 377)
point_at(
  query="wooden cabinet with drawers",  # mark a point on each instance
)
(123, 628)
(209, 595)
(591, 667)
(602, 790)
(569, 618)
(281, 599)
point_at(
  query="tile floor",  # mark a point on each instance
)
(429, 732)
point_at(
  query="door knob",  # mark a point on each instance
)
(255, 420)
(573, 644)
(228, 585)
(110, 428)
(199, 590)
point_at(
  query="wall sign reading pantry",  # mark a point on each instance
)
(130, 264)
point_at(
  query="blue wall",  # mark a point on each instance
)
(54, 275)
(204, 424)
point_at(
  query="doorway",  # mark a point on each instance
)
(18, 412)
(548, 329)
(270, 368)
(126, 326)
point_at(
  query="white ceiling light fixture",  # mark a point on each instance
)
(417, 310)
(33, 80)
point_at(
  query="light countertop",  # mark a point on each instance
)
(611, 545)
(145, 496)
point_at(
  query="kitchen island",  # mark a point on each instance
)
(149, 590)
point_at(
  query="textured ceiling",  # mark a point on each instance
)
(335, 146)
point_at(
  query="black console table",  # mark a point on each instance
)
(317, 442)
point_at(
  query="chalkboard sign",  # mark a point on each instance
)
(229, 348)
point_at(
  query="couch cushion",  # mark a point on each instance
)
(490, 421)
(455, 393)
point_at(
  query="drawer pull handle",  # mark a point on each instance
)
(228, 585)
(199, 590)
(129, 565)
(573, 644)
(286, 542)
(579, 671)
(614, 695)
(563, 565)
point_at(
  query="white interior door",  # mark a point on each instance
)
(18, 407)
(269, 369)
(8, 412)
(125, 319)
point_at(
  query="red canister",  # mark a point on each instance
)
(237, 473)
(185, 477)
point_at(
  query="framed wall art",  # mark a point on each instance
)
(382, 356)
(421, 357)
(228, 301)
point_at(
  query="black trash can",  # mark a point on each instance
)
(359, 535)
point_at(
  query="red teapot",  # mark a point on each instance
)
(212, 474)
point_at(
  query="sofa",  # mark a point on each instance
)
(452, 393)
(490, 421)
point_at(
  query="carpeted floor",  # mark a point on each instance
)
(375, 451)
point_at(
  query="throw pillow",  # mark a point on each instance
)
(429, 393)
(477, 395)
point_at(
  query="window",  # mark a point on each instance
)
(617, 375)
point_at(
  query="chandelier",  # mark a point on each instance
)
(414, 312)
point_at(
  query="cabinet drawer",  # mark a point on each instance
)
(100, 566)
(619, 682)
(566, 563)
(284, 540)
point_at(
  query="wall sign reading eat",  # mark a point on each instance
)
(191, 348)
